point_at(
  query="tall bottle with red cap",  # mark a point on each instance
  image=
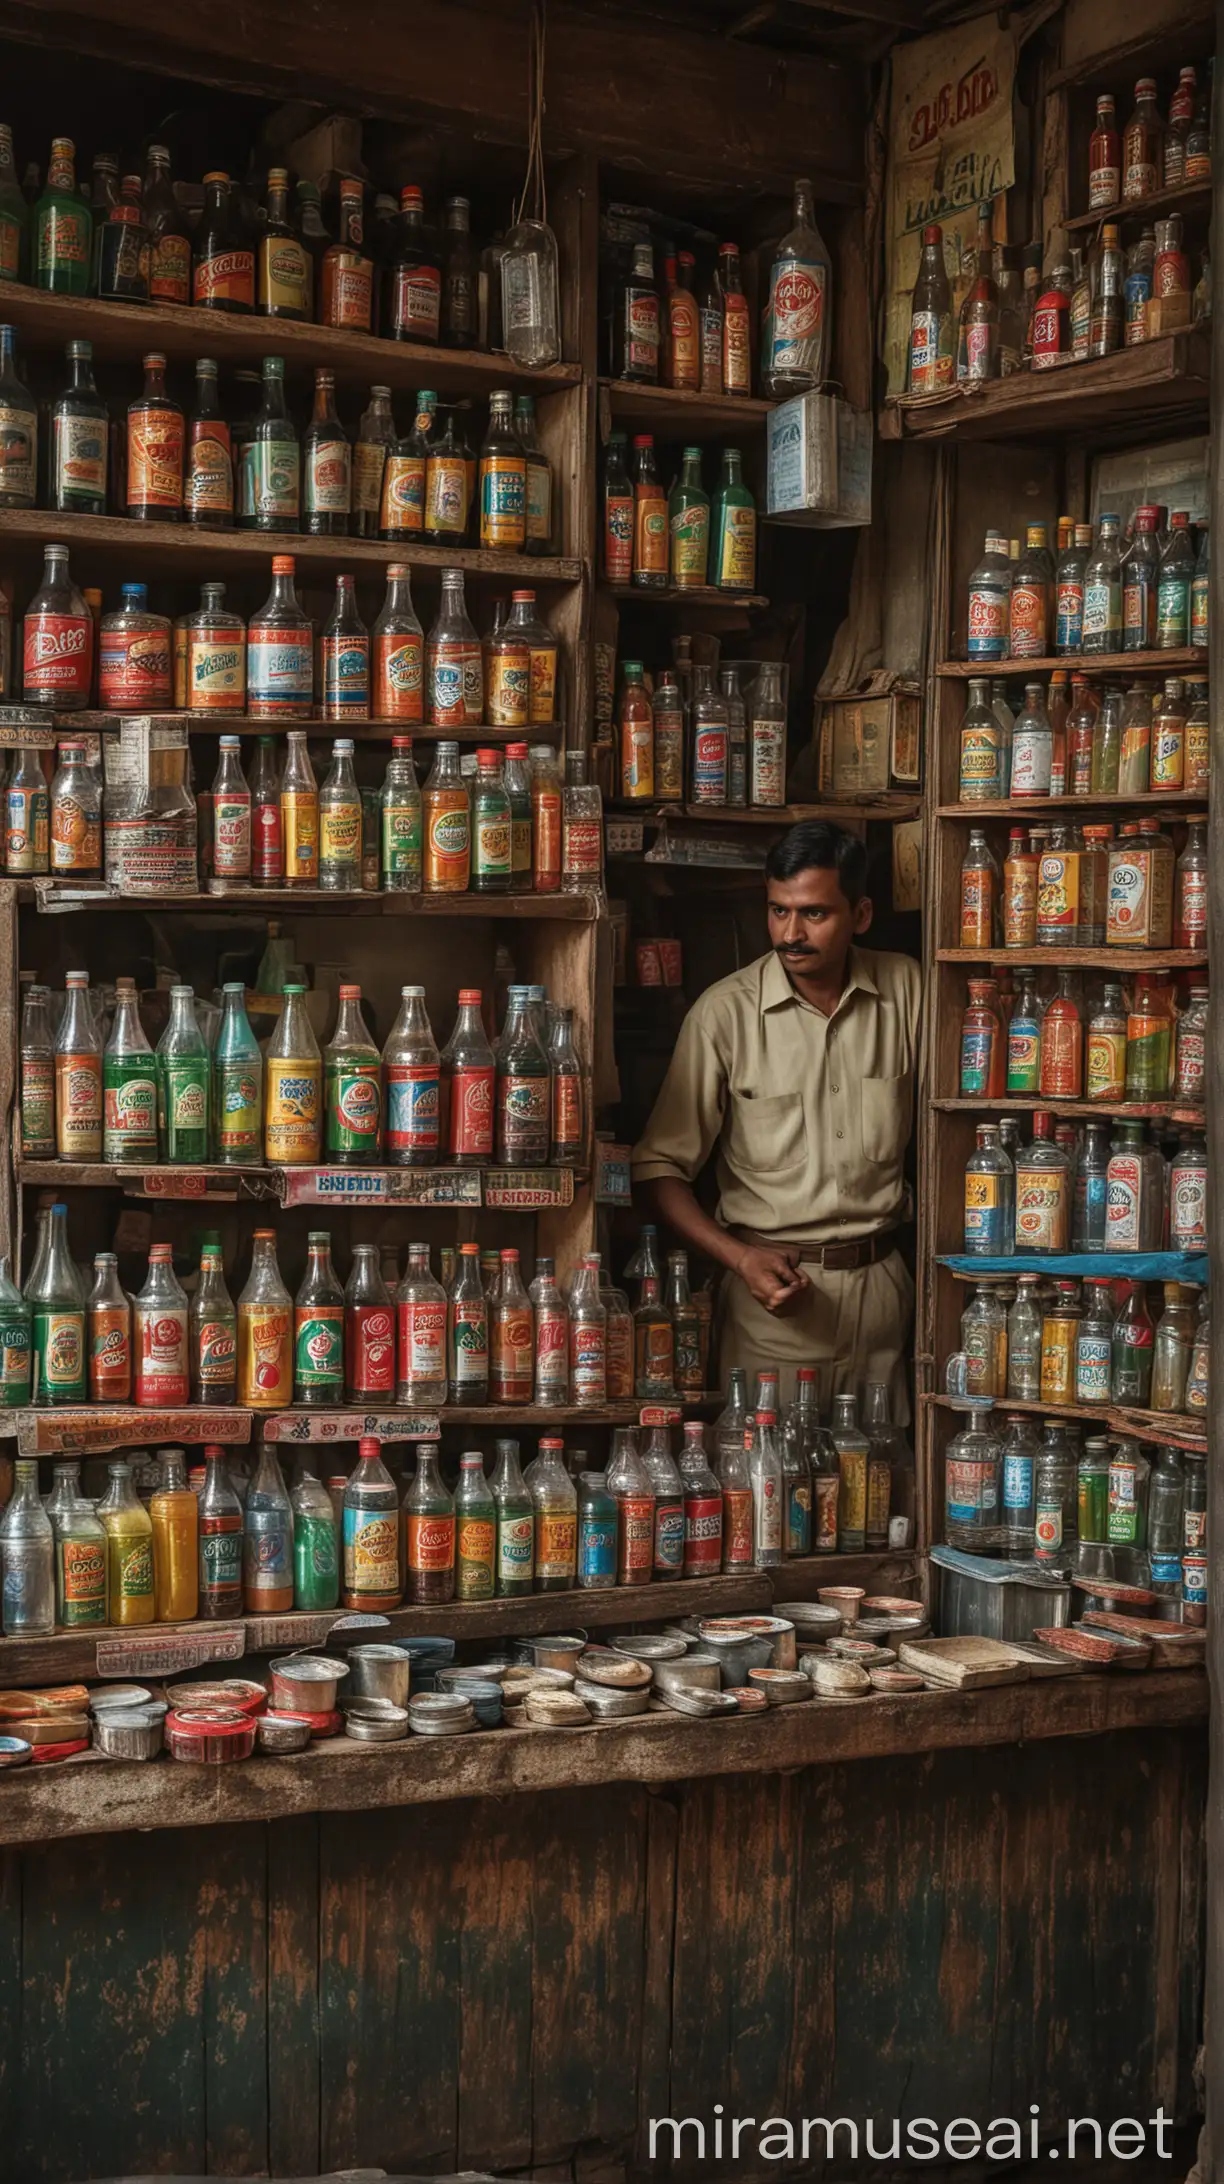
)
(159, 1335)
(352, 1088)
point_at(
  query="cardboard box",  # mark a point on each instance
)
(865, 745)
(820, 454)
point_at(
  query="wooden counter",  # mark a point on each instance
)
(91, 1796)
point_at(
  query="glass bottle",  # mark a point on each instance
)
(294, 1098)
(79, 1098)
(1103, 591)
(1088, 1224)
(231, 799)
(237, 1084)
(36, 1079)
(58, 1317)
(1043, 1191)
(284, 273)
(467, 1317)
(1140, 582)
(730, 1432)
(109, 1334)
(972, 1472)
(183, 1072)
(267, 1555)
(27, 1560)
(318, 1329)
(19, 463)
(799, 1432)
(77, 461)
(174, 1514)
(1166, 1523)
(660, 1466)
(733, 528)
(539, 526)
(853, 1449)
(265, 1331)
(1018, 1507)
(475, 1531)
(454, 665)
(1057, 1496)
(530, 301)
(340, 822)
(1176, 578)
(630, 1483)
(14, 215)
(414, 284)
(1129, 1479)
(270, 468)
(588, 1337)
(1134, 1191)
(212, 1334)
(983, 1339)
(1142, 145)
(931, 363)
(492, 845)
(129, 1550)
(346, 283)
(161, 1377)
(977, 352)
(1190, 1079)
(511, 1335)
(280, 655)
(129, 1085)
(223, 275)
(1032, 749)
(327, 475)
(375, 439)
(421, 1323)
(80, 1563)
(397, 674)
(1132, 1353)
(514, 1565)
(1172, 1351)
(797, 332)
(58, 651)
(316, 1559)
(62, 239)
(502, 479)
(372, 1575)
(16, 1353)
(523, 1090)
(990, 1200)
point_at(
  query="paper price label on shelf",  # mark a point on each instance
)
(84, 1431)
(524, 1188)
(181, 1183)
(660, 1414)
(387, 1186)
(268, 1633)
(298, 1427)
(168, 1652)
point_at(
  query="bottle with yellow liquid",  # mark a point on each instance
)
(265, 1331)
(174, 1514)
(299, 802)
(293, 1105)
(129, 1550)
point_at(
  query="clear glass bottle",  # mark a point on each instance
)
(1166, 1523)
(799, 1433)
(551, 1336)
(267, 1557)
(530, 313)
(972, 1475)
(475, 1531)
(581, 829)
(797, 333)
(27, 1560)
(660, 1466)
(1172, 1351)
(293, 1120)
(630, 1483)
(421, 1323)
(1018, 1482)
(183, 1073)
(853, 1451)
(514, 1566)
(340, 824)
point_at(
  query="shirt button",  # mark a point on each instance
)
(835, 1088)
(841, 1133)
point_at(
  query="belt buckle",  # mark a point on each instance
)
(840, 1257)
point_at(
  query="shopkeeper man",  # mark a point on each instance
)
(798, 1072)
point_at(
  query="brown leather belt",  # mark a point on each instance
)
(838, 1258)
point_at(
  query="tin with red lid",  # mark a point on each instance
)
(213, 1734)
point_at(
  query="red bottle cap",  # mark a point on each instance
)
(469, 997)
(369, 1445)
(282, 564)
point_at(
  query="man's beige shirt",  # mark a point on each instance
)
(811, 1114)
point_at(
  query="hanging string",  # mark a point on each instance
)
(534, 189)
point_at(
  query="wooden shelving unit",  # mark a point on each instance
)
(1152, 386)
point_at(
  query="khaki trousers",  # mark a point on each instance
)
(852, 1325)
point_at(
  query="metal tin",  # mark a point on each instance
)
(14, 1751)
(692, 1699)
(120, 1694)
(775, 1629)
(895, 1681)
(283, 1732)
(483, 1696)
(228, 1692)
(306, 1683)
(781, 1686)
(494, 1672)
(439, 1714)
(215, 1735)
(889, 1630)
(862, 1650)
(517, 1682)
(600, 1665)
(557, 1650)
(380, 1672)
(847, 1599)
(610, 1705)
(375, 1721)
(697, 1672)
(813, 1619)
(748, 1700)
(129, 1732)
(737, 1650)
(653, 1647)
(837, 1679)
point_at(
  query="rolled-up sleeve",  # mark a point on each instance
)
(688, 1114)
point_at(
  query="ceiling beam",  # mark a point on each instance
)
(667, 102)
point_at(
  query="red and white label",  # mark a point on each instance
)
(471, 1113)
(58, 653)
(161, 1357)
(422, 1342)
(370, 1350)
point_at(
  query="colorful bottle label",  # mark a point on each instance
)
(515, 1552)
(509, 691)
(401, 844)
(422, 1344)
(265, 1356)
(239, 1106)
(354, 1107)
(280, 671)
(216, 1358)
(226, 278)
(456, 683)
(18, 455)
(27, 820)
(346, 677)
(446, 495)
(416, 301)
(161, 1356)
(469, 1335)
(170, 269)
(82, 1582)
(129, 1109)
(736, 569)
(78, 460)
(370, 1351)
(412, 1107)
(57, 655)
(37, 1105)
(155, 443)
(430, 1541)
(293, 1110)
(318, 1345)
(271, 482)
(475, 1553)
(216, 670)
(327, 485)
(472, 1112)
(78, 1105)
(399, 677)
(59, 1351)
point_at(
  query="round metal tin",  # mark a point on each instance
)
(652, 1646)
(781, 1686)
(607, 1704)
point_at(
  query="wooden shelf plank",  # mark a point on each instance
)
(1151, 382)
(1184, 197)
(892, 804)
(176, 550)
(122, 331)
(92, 1796)
(1119, 959)
(1188, 660)
(1195, 1118)
(50, 896)
(675, 412)
(242, 724)
(526, 1189)
(1176, 1428)
(1017, 807)
(706, 596)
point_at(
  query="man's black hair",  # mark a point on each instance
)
(828, 847)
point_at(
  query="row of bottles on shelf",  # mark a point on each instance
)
(682, 539)
(1090, 303)
(220, 1541)
(1084, 741)
(724, 744)
(1105, 1188)
(1143, 588)
(279, 666)
(1068, 1343)
(1101, 1510)
(1083, 1038)
(211, 1093)
(698, 337)
(1067, 886)
(1155, 150)
(496, 822)
(158, 460)
(146, 240)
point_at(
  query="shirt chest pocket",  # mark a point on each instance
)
(765, 1136)
(887, 1112)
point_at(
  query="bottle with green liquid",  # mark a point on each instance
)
(237, 1084)
(733, 528)
(183, 1074)
(316, 1555)
(688, 524)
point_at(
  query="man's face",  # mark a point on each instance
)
(811, 925)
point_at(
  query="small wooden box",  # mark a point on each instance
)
(865, 745)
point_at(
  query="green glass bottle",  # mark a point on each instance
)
(63, 228)
(733, 527)
(15, 1340)
(14, 214)
(182, 1084)
(316, 1555)
(475, 1531)
(352, 1088)
(515, 1567)
(491, 836)
(237, 1085)
(688, 524)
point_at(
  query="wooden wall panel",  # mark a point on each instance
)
(523, 1985)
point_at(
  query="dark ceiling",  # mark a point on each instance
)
(850, 29)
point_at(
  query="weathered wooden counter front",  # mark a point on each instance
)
(827, 1911)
